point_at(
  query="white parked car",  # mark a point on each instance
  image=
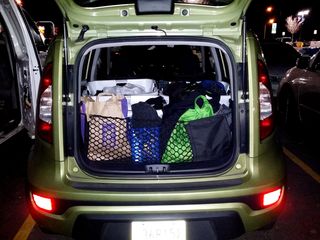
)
(20, 69)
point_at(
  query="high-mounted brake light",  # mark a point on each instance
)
(44, 121)
(265, 99)
(271, 198)
(43, 203)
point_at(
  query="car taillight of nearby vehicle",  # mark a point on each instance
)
(44, 120)
(265, 99)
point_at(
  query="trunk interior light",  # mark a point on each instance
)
(43, 203)
(271, 198)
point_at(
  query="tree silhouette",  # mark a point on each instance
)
(293, 25)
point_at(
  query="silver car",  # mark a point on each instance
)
(299, 95)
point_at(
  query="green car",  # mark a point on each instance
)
(155, 121)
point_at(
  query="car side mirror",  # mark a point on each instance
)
(303, 62)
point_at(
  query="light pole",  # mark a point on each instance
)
(270, 21)
(268, 10)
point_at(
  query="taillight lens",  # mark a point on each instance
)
(44, 123)
(43, 203)
(265, 99)
(271, 198)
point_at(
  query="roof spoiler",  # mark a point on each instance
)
(154, 7)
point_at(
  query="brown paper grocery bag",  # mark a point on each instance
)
(109, 108)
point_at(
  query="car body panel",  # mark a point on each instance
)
(225, 22)
(305, 86)
(27, 65)
(253, 183)
(104, 19)
(65, 179)
(55, 172)
(280, 57)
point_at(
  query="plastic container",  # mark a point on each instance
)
(137, 98)
(147, 85)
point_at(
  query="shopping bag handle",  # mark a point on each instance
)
(114, 98)
(205, 102)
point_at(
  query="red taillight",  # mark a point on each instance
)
(271, 198)
(265, 100)
(45, 130)
(43, 203)
(44, 121)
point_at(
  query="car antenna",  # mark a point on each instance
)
(84, 29)
(156, 28)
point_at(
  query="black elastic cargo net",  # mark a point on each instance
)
(178, 148)
(108, 139)
(200, 140)
(116, 139)
(145, 144)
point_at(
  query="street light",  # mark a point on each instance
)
(19, 2)
(269, 9)
(301, 15)
(270, 21)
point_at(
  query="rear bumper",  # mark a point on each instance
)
(115, 208)
(226, 220)
(200, 226)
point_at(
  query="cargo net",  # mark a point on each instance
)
(116, 139)
(108, 139)
(145, 144)
(178, 148)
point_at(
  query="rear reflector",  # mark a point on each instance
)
(43, 203)
(271, 198)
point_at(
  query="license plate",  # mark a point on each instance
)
(158, 230)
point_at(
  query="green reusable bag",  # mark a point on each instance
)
(178, 149)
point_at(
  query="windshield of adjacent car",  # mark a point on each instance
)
(101, 3)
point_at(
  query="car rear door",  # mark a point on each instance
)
(309, 93)
(87, 20)
(20, 72)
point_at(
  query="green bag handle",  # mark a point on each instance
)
(198, 112)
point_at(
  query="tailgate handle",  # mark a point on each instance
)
(157, 168)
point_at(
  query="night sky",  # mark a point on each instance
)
(256, 15)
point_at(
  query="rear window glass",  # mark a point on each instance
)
(101, 3)
(167, 62)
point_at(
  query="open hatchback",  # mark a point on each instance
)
(173, 94)
(155, 115)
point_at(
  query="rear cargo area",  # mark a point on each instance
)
(156, 107)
